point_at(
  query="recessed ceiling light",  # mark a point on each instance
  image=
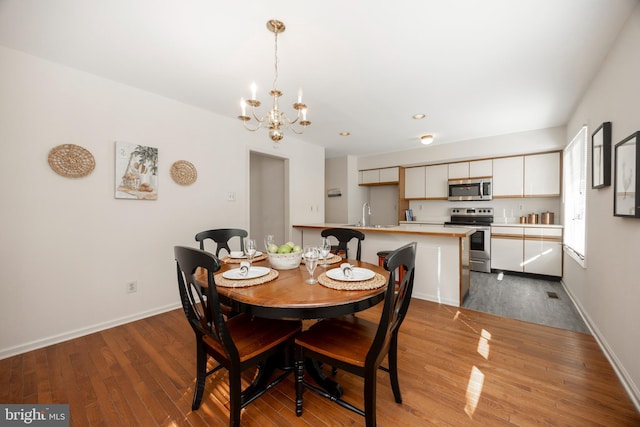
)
(419, 116)
(345, 133)
(426, 139)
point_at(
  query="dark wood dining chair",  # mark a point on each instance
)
(221, 237)
(236, 344)
(344, 236)
(357, 345)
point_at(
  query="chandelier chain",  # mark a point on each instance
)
(275, 76)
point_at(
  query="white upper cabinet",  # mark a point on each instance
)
(459, 170)
(389, 175)
(480, 168)
(380, 176)
(414, 183)
(370, 176)
(472, 169)
(436, 182)
(508, 176)
(542, 175)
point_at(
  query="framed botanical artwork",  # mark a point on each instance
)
(601, 156)
(627, 180)
(136, 174)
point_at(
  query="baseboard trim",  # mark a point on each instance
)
(55, 339)
(621, 372)
(435, 299)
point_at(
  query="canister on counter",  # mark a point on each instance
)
(523, 220)
(533, 218)
(546, 217)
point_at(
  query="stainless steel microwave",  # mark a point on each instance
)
(470, 189)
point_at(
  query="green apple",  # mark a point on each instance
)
(284, 249)
(296, 248)
(273, 248)
(290, 244)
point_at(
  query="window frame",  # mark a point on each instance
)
(575, 205)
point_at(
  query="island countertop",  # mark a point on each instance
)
(424, 229)
(442, 256)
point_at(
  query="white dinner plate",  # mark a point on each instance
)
(258, 253)
(253, 273)
(357, 274)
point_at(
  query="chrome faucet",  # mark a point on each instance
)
(364, 221)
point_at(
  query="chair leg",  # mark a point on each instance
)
(393, 369)
(201, 374)
(299, 380)
(235, 391)
(370, 397)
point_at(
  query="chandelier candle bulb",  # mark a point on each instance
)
(254, 89)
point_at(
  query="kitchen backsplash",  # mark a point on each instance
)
(505, 211)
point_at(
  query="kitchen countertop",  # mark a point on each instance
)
(494, 224)
(498, 224)
(427, 230)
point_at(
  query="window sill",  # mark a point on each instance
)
(582, 262)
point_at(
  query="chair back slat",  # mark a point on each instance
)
(344, 236)
(205, 315)
(397, 299)
(221, 237)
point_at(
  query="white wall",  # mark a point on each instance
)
(608, 289)
(501, 145)
(336, 176)
(68, 246)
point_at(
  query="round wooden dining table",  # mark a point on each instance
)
(289, 297)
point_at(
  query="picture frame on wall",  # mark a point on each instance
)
(601, 156)
(626, 202)
(136, 175)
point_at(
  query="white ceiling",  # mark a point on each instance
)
(475, 68)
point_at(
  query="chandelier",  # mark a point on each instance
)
(275, 120)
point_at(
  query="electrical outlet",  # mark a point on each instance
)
(231, 196)
(132, 286)
(521, 207)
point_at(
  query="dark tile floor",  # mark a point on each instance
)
(524, 298)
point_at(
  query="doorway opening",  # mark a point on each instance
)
(268, 197)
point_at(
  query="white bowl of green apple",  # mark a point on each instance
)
(285, 257)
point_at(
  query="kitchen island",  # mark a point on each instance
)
(442, 256)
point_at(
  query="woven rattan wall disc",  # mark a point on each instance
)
(183, 172)
(71, 161)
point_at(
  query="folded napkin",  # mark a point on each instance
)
(347, 269)
(244, 268)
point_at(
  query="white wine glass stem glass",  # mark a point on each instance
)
(311, 256)
(250, 249)
(325, 249)
(268, 241)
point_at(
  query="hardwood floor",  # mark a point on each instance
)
(457, 367)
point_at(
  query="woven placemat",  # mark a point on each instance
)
(183, 172)
(243, 283)
(376, 282)
(334, 259)
(71, 161)
(229, 260)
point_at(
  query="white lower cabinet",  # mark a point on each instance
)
(536, 250)
(507, 250)
(543, 251)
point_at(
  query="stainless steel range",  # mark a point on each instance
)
(479, 219)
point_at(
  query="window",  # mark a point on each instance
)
(575, 195)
